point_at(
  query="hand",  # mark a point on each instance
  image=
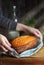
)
(4, 44)
(22, 27)
(36, 32)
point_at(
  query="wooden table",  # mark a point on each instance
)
(36, 59)
(22, 61)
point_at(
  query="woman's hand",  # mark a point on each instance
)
(35, 31)
(22, 27)
(4, 44)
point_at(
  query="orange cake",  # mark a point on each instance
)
(23, 43)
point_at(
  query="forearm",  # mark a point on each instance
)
(22, 27)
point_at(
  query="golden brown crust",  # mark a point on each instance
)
(27, 46)
(23, 43)
(22, 40)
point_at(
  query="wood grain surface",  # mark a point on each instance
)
(36, 59)
(22, 61)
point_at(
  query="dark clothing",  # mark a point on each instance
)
(6, 24)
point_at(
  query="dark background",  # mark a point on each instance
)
(22, 6)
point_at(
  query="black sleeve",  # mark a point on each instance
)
(7, 23)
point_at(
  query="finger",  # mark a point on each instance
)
(7, 42)
(7, 46)
(39, 33)
(4, 49)
(36, 34)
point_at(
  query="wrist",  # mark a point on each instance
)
(20, 27)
